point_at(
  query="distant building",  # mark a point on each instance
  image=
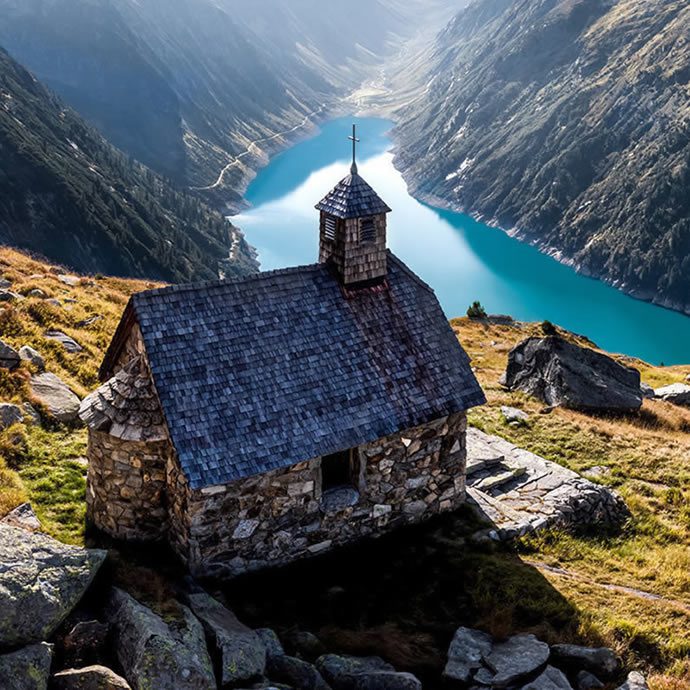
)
(252, 422)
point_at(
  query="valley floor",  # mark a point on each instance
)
(403, 595)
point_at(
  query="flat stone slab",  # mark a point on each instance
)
(515, 659)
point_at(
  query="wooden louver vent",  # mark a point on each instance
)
(367, 231)
(329, 228)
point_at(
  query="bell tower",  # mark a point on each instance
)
(352, 229)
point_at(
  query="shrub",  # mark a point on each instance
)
(547, 328)
(476, 311)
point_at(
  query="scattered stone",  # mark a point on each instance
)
(467, 649)
(31, 416)
(515, 659)
(23, 516)
(599, 471)
(41, 581)
(27, 668)
(36, 292)
(89, 678)
(588, 681)
(501, 319)
(561, 373)
(550, 679)
(155, 654)
(10, 414)
(304, 645)
(28, 354)
(601, 661)
(54, 302)
(271, 642)
(9, 358)
(384, 680)
(4, 283)
(514, 416)
(88, 322)
(647, 391)
(9, 296)
(242, 652)
(70, 345)
(635, 681)
(295, 672)
(72, 281)
(60, 401)
(363, 673)
(85, 643)
(676, 394)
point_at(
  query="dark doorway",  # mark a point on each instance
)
(336, 470)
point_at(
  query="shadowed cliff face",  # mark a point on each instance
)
(569, 121)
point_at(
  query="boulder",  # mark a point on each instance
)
(23, 516)
(550, 679)
(241, 652)
(41, 581)
(635, 681)
(271, 642)
(158, 654)
(28, 354)
(61, 402)
(10, 414)
(304, 645)
(514, 416)
(587, 681)
(27, 668)
(31, 417)
(71, 281)
(600, 661)
(89, 678)
(37, 293)
(70, 344)
(9, 357)
(676, 393)
(561, 373)
(363, 673)
(84, 644)
(295, 672)
(517, 658)
(647, 391)
(467, 649)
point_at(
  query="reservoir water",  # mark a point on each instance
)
(462, 259)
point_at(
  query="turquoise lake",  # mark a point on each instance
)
(462, 259)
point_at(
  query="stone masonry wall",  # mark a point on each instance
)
(126, 486)
(278, 517)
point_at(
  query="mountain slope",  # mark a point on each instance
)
(186, 85)
(567, 121)
(69, 195)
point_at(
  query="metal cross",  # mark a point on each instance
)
(354, 141)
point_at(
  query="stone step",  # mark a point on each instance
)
(477, 464)
(496, 511)
(495, 481)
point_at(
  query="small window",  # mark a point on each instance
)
(367, 231)
(336, 471)
(329, 228)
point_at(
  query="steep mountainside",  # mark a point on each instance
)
(186, 85)
(567, 121)
(69, 195)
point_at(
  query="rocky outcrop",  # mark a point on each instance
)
(89, 678)
(155, 653)
(41, 581)
(676, 394)
(61, 402)
(240, 651)
(27, 668)
(559, 372)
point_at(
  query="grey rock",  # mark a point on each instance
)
(72, 281)
(385, 680)
(339, 670)
(676, 393)
(601, 661)
(465, 653)
(60, 401)
(587, 681)
(514, 416)
(515, 659)
(5, 283)
(295, 672)
(550, 679)
(635, 681)
(10, 414)
(647, 391)
(241, 651)
(31, 416)
(89, 321)
(23, 516)
(41, 581)
(70, 344)
(304, 644)
(28, 354)
(155, 654)
(36, 292)
(561, 373)
(89, 678)
(9, 357)
(27, 668)
(339, 499)
(54, 302)
(271, 642)
(9, 296)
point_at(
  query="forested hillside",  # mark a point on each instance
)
(69, 195)
(568, 123)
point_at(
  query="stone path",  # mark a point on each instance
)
(520, 492)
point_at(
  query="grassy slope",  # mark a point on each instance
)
(446, 581)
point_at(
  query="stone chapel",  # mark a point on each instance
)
(251, 422)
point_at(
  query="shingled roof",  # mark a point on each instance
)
(261, 373)
(352, 197)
